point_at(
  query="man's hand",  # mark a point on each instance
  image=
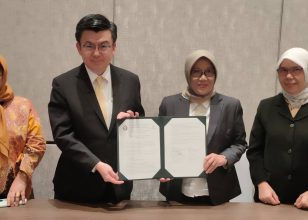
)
(267, 195)
(107, 173)
(302, 201)
(128, 114)
(212, 161)
(164, 180)
(17, 191)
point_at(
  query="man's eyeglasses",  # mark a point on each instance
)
(103, 47)
(293, 71)
(197, 73)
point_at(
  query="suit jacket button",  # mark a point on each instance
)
(291, 125)
(290, 151)
(289, 177)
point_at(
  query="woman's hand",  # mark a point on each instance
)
(302, 201)
(267, 195)
(17, 193)
(212, 161)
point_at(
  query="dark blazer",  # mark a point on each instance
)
(278, 149)
(226, 136)
(80, 132)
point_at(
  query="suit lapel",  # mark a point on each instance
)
(215, 116)
(302, 113)
(183, 107)
(282, 107)
(116, 95)
(86, 88)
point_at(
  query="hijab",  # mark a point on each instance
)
(6, 95)
(300, 57)
(191, 59)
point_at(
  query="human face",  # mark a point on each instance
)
(203, 85)
(291, 77)
(96, 50)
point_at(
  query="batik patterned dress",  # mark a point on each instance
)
(26, 142)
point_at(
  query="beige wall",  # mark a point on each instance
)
(154, 37)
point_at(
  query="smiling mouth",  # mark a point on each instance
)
(290, 84)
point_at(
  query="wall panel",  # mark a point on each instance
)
(37, 38)
(294, 27)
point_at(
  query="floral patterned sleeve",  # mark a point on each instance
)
(35, 144)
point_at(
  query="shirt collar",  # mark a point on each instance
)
(93, 76)
(205, 104)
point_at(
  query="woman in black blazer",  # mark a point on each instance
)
(278, 148)
(225, 138)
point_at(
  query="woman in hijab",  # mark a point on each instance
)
(278, 148)
(225, 138)
(21, 143)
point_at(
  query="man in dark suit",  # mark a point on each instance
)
(225, 137)
(83, 108)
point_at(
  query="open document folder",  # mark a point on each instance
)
(161, 147)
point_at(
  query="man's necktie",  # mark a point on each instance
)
(98, 87)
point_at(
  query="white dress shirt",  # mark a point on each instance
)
(193, 187)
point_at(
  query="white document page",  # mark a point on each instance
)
(139, 148)
(185, 147)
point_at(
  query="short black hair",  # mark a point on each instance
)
(95, 22)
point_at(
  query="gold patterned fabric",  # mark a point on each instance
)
(21, 136)
(6, 95)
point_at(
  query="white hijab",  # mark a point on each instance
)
(300, 57)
